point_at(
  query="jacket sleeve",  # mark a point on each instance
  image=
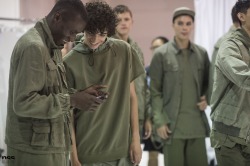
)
(156, 89)
(211, 73)
(148, 113)
(231, 63)
(28, 83)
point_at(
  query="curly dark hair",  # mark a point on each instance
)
(101, 17)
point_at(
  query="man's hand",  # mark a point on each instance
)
(135, 152)
(148, 129)
(202, 105)
(164, 132)
(87, 99)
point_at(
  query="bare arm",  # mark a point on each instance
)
(135, 147)
(74, 155)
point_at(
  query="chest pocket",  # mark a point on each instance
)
(53, 82)
(170, 64)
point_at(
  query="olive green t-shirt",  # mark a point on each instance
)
(189, 122)
(103, 135)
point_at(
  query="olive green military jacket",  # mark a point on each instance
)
(141, 88)
(38, 103)
(165, 84)
(214, 55)
(231, 89)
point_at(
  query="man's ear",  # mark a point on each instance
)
(57, 17)
(241, 16)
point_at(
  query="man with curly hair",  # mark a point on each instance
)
(110, 134)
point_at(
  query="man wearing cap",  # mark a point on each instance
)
(179, 74)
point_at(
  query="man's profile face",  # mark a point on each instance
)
(183, 26)
(65, 30)
(247, 21)
(125, 23)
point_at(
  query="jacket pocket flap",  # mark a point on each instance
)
(41, 129)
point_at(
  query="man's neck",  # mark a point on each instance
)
(247, 30)
(182, 44)
(123, 37)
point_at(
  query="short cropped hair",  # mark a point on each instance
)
(119, 9)
(241, 7)
(234, 15)
(162, 38)
(69, 7)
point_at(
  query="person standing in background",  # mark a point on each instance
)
(151, 145)
(230, 96)
(38, 115)
(125, 22)
(156, 42)
(110, 134)
(179, 73)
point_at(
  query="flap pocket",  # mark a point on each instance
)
(41, 129)
(171, 68)
(40, 136)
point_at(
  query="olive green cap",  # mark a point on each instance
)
(183, 11)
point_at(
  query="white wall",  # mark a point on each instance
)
(213, 19)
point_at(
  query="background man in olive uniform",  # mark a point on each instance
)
(179, 74)
(125, 22)
(150, 144)
(230, 104)
(37, 129)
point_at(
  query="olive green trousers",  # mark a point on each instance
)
(120, 162)
(185, 152)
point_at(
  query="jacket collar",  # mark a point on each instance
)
(177, 50)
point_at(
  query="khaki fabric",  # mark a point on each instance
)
(214, 55)
(189, 123)
(166, 75)
(185, 152)
(38, 103)
(29, 159)
(141, 87)
(231, 88)
(120, 162)
(234, 156)
(104, 134)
